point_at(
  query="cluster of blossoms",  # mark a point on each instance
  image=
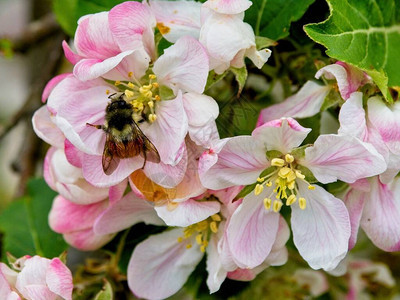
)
(191, 178)
(35, 278)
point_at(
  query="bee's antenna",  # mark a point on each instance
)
(109, 97)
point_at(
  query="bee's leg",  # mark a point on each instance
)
(96, 126)
(145, 159)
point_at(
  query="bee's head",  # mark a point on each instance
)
(117, 105)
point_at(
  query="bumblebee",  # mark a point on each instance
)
(124, 138)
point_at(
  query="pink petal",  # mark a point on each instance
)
(240, 162)
(77, 103)
(92, 170)
(354, 201)
(93, 38)
(177, 18)
(132, 26)
(321, 232)
(125, 213)
(381, 216)
(204, 135)
(305, 103)
(348, 78)
(228, 6)
(154, 260)
(116, 192)
(200, 109)
(183, 66)
(45, 128)
(59, 279)
(66, 216)
(352, 117)
(35, 291)
(34, 274)
(252, 231)
(282, 135)
(345, 158)
(73, 155)
(188, 212)
(71, 56)
(386, 120)
(87, 239)
(215, 270)
(51, 84)
(168, 132)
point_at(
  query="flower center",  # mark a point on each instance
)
(202, 230)
(141, 96)
(284, 179)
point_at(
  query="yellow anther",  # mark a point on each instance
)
(277, 162)
(150, 104)
(269, 184)
(129, 94)
(147, 87)
(267, 203)
(130, 74)
(203, 248)
(216, 217)
(299, 175)
(311, 187)
(302, 203)
(214, 227)
(277, 205)
(107, 92)
(199, 239)
(291, 176)
(292, 199)
(117, 82)
(131, 85)
(188, 246)
(148, 94)
(283, 172)
(258, 190)
(155, 85)
(152, 118)
(289, 158)
(152, 76)
(180, 239)
(172, 205)
(157, 98)
(260, 179)
(291, 185)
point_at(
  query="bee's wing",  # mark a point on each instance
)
(109, 160)
(145, 147)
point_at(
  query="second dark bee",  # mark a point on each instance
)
(124, 138)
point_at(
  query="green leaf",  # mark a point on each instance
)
(264, 42)
(68, 12)
(240, 76)
(363, 33)
(213, 78)
(106, 293)
(272, 18)
(381, 80)
(25, 227)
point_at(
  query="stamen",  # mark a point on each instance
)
(267, 203)
(180, 239)
(258, 190)
(107, 92)
(302, 203)
(130, 74)
(117, 82)
(289, 158)
(131, 85)
(157, 98)
(152, 76)
(152, 118)
(311, 187)
(155, 85)
(299, 175)
(199, 239)
(292, 199)
(129, 94)
(283, 172)
(214, 226)
(260, 179)
(291, 176)
(188, 246)
(216, 217)
(277, 205)
(277, 162)
(269, 184)
(150, 104)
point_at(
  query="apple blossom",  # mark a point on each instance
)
(35, 278)
(269, 160)
(179, 250)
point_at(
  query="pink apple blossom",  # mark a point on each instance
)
(219, 27)
(36, 278)
(179, 250)
(308, 100)
(269, 160)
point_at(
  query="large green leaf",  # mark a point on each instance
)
(272, 18)
(363, 33)
(25, 226)
(68, 12)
